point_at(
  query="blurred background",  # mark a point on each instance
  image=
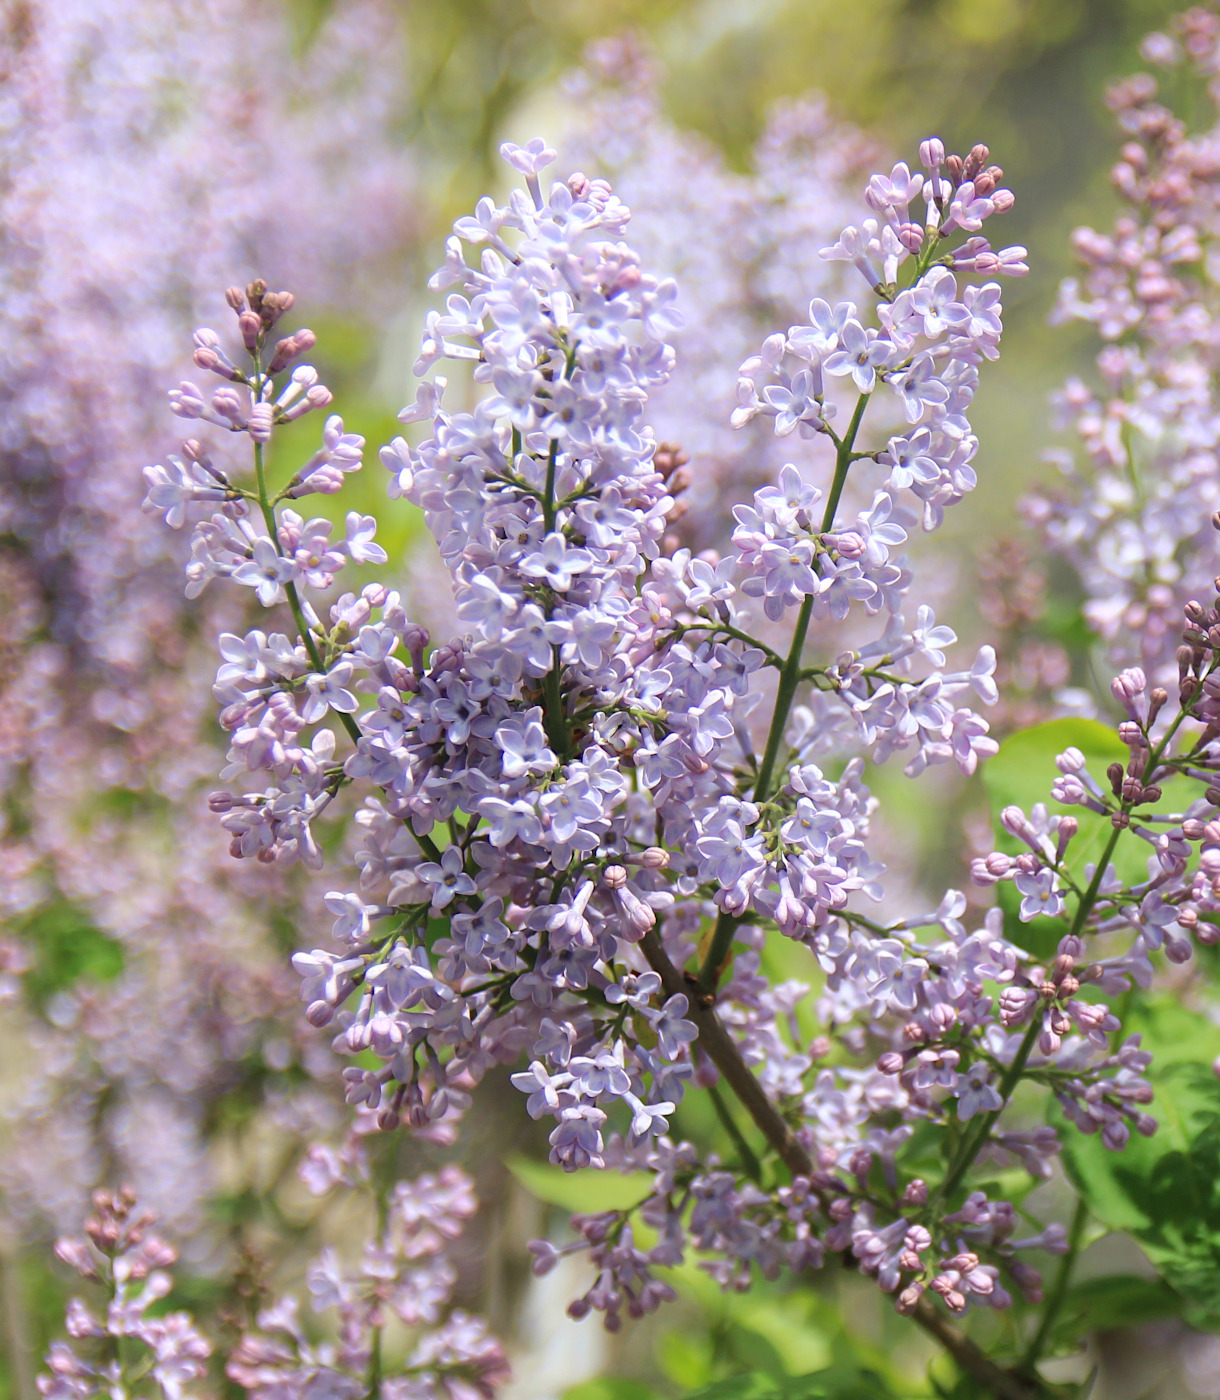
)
(151, 153)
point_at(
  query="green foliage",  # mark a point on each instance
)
(1165, 1190)
(610, 1388)
(1022, 773)
(67, 949)
(838, 1382)
(1115, 1303)
(584, 1192)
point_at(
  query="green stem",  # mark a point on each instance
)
(749, 1161)
(374, 1385)
(791, 674)
(789, 679)
(973, 1142)
(552, 710)
(290, 588)
(717, 952)
(1059, 1290)
(723, 629)
(548, 499)
(1089, 898)
(427, 845)
(553, 714)
(843, 461)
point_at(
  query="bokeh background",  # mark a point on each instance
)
(337, 142)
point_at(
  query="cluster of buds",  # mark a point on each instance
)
(119, 1253)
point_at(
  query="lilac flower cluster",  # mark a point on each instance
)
(1132, 513)
(585, 823)
(743, 247)
(105, 730)
(118, 1252)
(1175, 905)
(404, 1274)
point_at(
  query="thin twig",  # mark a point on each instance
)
(720, 1047)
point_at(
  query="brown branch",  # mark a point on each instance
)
(720, 1047)
(723, 1051)
(968, 1356)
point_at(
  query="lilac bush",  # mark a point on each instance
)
(1133, 514)
(591, 826)
(145, 151)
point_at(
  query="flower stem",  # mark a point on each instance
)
(290, 588)
(972, 1143)
(791, 674)
(723, 1051)
(548, 500)
(789, 680)
(1059, 1290)
(556, 721)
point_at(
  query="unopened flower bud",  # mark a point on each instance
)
(319, 1013)
(932, 153)
(1062, 966)
(890, 1063)
(614, 877)
(916, 1193)
(251, 327)
(1070, 761)
(908, 1300)
(262, 418)
(274, 305)
(911, 237)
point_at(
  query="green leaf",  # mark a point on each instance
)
(1021, 775)
(584, 1192)
(1117, 1302)
(686, 1357)
(610, 1388)
(67, 949)
(1165, 1190)
(833, 1383)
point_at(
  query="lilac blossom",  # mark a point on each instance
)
(198, 108)
(1130, 509)
(586, 793)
